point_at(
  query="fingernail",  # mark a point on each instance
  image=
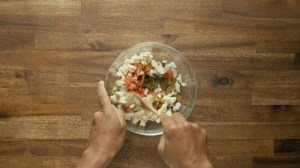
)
(101, 82)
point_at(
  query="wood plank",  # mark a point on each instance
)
(275, 96)
(41, 23)
(239, 57)
(223, 95)
(21, 161)
(90, 7)
(250, 113)
(245, 148)
(48, 147)
(11, 109)
(287, 147)
(251, 130)
(44, 127)
(116, 42)
(274, 79)
(71, 127)
(274, 61)
(139, 23)
(15, 76)
(206, 113)
(59, 60)
(27, 101)
(17, 40)
(221, 26)
(60, 162)
(225, 79)
(288, 43)
(231, 162)
(276, 162)
(263, 9)
(297, 61)
(39, 7)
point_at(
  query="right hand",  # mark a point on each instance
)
(183, 144)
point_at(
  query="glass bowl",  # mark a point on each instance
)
(159, 51)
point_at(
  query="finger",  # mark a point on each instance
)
(97, 117)
(166, 121)
(121, 116)
(103, 96)
(179, 119)
(161, 144)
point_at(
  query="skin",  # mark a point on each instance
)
(183, 144)
(107, 124)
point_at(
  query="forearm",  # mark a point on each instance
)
(91, 159)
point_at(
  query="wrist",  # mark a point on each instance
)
(95, 159)
(203, 163)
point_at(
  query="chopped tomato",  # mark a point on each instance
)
(148, 68)
(131, 83)
(140, 91)
(127, 81)
(168, 74)
(125, 108)
(138, 68)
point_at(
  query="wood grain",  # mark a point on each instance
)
(245, 54)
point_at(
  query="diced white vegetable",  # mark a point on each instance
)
(157, 120)
(158, 95)
(131, 68)
(164, 61)
(158, 66)
(119, 74)
(141, 73)
(113, 98)
(143, 123)
(119, 93)
(139, 113)
(119, 82)
(127, 61)
(177, 86)
(135, 121)
(169, 113)
(174, 72)
(170, 65)
(163, 108)
(179, 78)
(149, 97)
(122, 100)
(172, 101)
(146, 91)
(183, 84)
(177, 106)
(150, 73)
(132, 106)
(128, 116)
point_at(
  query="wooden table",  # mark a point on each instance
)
(246, 55)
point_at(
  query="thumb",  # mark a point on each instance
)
(161, 144)
(121, 116)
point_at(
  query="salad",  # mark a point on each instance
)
(156, 81)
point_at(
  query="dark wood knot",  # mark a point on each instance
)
(221, 81)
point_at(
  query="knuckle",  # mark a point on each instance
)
(203, 131)
(97, 115)
(172, 129)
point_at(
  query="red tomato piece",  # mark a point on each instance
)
(147, 68)
(168, 74)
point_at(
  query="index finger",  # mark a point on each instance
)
(103, 96)
(166, 121)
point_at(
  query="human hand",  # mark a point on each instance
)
(183, 144)
(107, 133)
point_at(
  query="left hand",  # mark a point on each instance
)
(107, 133)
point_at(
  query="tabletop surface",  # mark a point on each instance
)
(246, 56)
